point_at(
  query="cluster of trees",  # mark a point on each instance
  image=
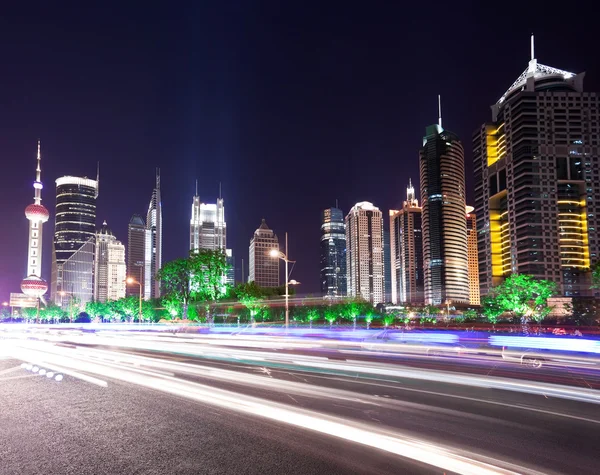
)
(195, 290)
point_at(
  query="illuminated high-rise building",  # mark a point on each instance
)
(136, 252)
(364, 253)
(537, 182)
(474, 297)
(153, 245)
(208, 230)
(406, 246)
(74, 240)
(37, 215)
(109, 267)
(442, 173)
(263, 269)
(333, 253)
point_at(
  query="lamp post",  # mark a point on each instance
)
(131, 280)
(284, 257)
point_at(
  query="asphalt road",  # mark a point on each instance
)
(175, 410)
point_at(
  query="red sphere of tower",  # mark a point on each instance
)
(37, 213)
(34, 286)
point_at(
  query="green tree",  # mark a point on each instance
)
(525, 297)
(95, 309)
(176, 278)
(595, 276)
(331, 314)
(312, 314)
(252, 297)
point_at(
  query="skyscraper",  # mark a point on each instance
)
(407, 251)
(208, 230)
(74, 240)
(442, 173)
(109, 267)
(474, 297)
(264, 269)
(333, 253)
(37, 215)
(153, 245)
(387, 266)
(537, 182)
(364, 253)
(136, 252)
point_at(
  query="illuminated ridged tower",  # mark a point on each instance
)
(445, 261)
(37, 214)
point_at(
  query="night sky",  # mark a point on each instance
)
(289, 104)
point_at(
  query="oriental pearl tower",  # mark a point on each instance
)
(37, 214)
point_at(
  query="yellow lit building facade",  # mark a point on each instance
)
(537, 182)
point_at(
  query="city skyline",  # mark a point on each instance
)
(183, 153)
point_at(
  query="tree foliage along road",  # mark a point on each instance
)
(198, 278)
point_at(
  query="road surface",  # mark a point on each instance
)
(133, 403)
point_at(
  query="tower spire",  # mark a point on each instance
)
(440, 110)
(196, 187)
(410, 192)
(532, 48)
(158, 178)
(220, 196)
(97, 179)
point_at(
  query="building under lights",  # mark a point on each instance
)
(208, 230)
(109, 267)
(73, 250)
(136, 252)
(263, 268)
(537, 182)
(153, 244)
(472, 255)
(406, 249)
(333, 253)
(364, 253)
(445, 261)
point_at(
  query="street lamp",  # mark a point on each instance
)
(284, 257)
(131, 280)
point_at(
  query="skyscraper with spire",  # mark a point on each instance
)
(37, 214)
(263, 269)
(406, 248)
(537, 182)
(153, 247)
(442, 176)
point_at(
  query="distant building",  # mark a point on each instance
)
(442, 173)
(407, 251)
(208, 230)
(264, 269)
(110, 268)
(333, 253)
(364, 253)
(136, 252)
(387, 266)
(153, 245)
(537, 181)
(474, 298)
(74, 240)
